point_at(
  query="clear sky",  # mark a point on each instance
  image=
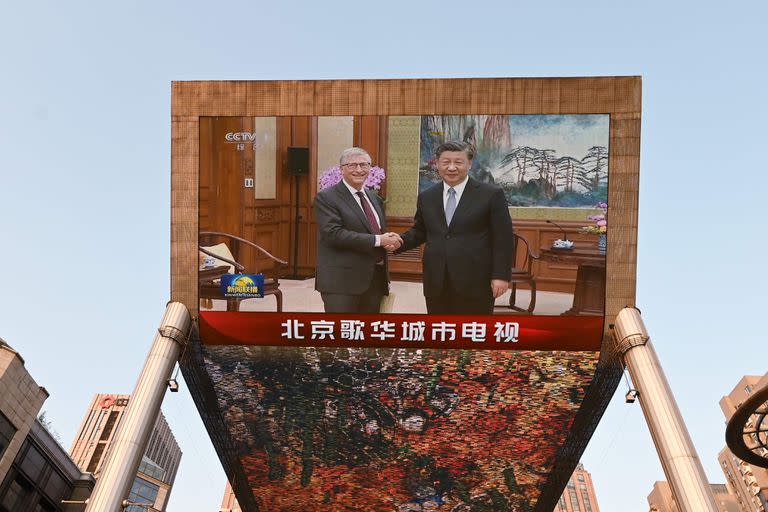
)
(85, 174)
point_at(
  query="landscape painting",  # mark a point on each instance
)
(539, 160)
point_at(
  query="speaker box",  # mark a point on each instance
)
(298, 161)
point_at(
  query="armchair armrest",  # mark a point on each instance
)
(239, 267)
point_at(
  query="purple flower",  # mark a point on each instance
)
(332, 176)
(375, 178)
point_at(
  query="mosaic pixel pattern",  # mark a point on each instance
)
(397, 429)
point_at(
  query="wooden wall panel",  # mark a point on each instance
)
(261, 98)
(284, 191)
(209, 98)
(204, 177)
(515, 97)
(184, 208)
(454, 97)
(418, 98)
(367, 136)
(222, 170)
(489, 96)
(628, 95)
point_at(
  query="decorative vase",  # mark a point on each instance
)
(602, 242)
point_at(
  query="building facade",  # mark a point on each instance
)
(661, 498)
(579, 494)
(229, 501)
(35, 471)
(20, 402)
(159, 465)
(42, 476)
(748, 483)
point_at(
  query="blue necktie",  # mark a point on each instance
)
(450, 206)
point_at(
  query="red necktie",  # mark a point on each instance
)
(375, 229)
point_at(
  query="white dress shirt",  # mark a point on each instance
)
(459, 190)
(354, 191)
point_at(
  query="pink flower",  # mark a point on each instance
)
(332, 176)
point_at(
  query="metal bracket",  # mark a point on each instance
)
(633, 340)
(173, 333)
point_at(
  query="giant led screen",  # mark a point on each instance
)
(401, 312)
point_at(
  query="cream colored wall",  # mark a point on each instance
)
(334, 135)
(265, 158)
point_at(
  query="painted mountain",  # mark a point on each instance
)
(539, 160)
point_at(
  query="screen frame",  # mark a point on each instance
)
(618, 96)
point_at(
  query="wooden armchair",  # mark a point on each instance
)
(211, 290)
(522, 273)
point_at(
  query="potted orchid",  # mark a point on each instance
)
(599, 226)
(332, 176)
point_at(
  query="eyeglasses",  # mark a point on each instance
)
(363, 166)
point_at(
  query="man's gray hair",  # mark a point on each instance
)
(352, 152)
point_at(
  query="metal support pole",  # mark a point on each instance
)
(677, 454)
(130, 441)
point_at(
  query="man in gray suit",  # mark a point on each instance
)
(352, 245)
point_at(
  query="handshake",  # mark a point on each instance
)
(391, 241)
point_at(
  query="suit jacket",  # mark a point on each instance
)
(345, 244)
(476, 247)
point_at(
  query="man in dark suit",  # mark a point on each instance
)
(468, 234)
(352, 272)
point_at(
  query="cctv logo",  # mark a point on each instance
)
(240, 137)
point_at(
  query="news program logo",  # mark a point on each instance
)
(242, 286)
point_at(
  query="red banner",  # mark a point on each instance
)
(498, 332)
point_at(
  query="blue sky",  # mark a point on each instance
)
(85, 174)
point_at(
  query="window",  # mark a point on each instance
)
(56, 488)
(33, 464)
(96, 458)
(7, 431)
(574, 500)
(17, 495)
(149, 468)
(44, 506)
(142, 491)
(109, 426)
